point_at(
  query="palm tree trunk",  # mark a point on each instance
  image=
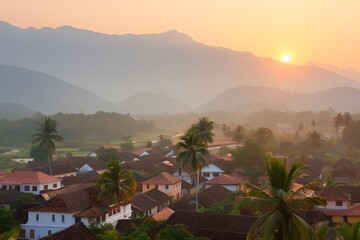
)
(197, 190)
(50, 170)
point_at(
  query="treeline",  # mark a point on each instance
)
(75, 127)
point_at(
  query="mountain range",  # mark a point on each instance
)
(116, 67)
(74, 70)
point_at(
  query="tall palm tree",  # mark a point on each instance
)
(338, 121)
(204, 127)
(279, 203)
(192, 152)
(117, 182)
(264, 136)
(46, 136)
(347, 119)
(239, 134)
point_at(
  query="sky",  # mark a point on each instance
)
(324, 31)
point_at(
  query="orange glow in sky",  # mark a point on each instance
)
(320, 31)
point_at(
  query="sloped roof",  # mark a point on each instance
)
(143, 203)
(158, 196)
(84, 177)
(333, 194)
(211, 168)
(345, 171)
(354, 192)
(225, 179)
(164, 214)
(78, 231)
(28, 177)
(213, 194)
(214, 226)
(162, 179)
(92, 212)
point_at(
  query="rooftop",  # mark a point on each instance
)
(163, 178)
(225, 179)
(28, 177)
(78, 231)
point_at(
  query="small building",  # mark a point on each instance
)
(211, 171)
(165, 183)
(78, 231)
(231, 183)
(29, 182)
(150, 202)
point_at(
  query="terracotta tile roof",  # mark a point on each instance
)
(225, 179)
(85, 177)
(164, 214)
(182, 205)
(213, 194)
(186, 185)
(143, 203)
(92, 212)
(158, 196)
(28, 177)
(333, 194)
(354, 192)
(345, 171)
(162, 179)
(76, 187)
(78, 231)
(214, 226)
(352, 211)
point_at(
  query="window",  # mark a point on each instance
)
(55, 185)
(110, 211)
(32, 233)
(147, 186)
(98, 219)
(338, 203)
(45, 187)
(103, 218)
(215, 174)
(166, 186)
(206, 174)
(27, 188)
(345, 219)
(37, 217)
(49, 232)
(22, 233)
(62, 218)
(77, 219)
(118, 208)
(34, 188)
(53, 218)
(3, 187)
(114, 210)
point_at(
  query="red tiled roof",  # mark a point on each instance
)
(28, 177)
(162, 179)
(164, 214)
(78, 231)
(225, 179)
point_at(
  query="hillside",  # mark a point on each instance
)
(242, 98)
(13, 111)
(116, 67)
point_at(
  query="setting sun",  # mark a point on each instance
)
(285, 58)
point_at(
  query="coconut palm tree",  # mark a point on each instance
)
(264, 136)
(239, 134)
(117, 182)
(204, 127)
(46, 136)
(192, 151)
(347, 119)
(348, 232)
(280, 203)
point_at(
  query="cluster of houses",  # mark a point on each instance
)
(68, 201)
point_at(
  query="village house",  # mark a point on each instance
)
(29, 182)
(231, 183)
(67, 206)
(338, 205)
(165, 183)
(150, 202)
(211, 171)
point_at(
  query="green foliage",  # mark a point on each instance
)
(117, 182)
(100, 126)
(264, 136)
(107, 155)
(127, 144)
(7, 221)
(351, 134)
(250, 157)
(10, 235)
(279, 204)
(139, 231)
(175, 232)
(223, 207)
(204, 128)
(23, 198)
(38, 153)
(348, 232)
(223, 150)
(239, 134)
(104, 232)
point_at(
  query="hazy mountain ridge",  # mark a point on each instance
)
(351, 73)
(116, 67)
(341, 99)
(14, 111)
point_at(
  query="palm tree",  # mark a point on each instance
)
(313, 123)
(348, 232)
(314, 140)
(264, 136)
(239, 134)
(338, 121)
(192, 152)
(117, 182)
(204, 127)
(347, 119)
(46, 136)
(279, 203)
